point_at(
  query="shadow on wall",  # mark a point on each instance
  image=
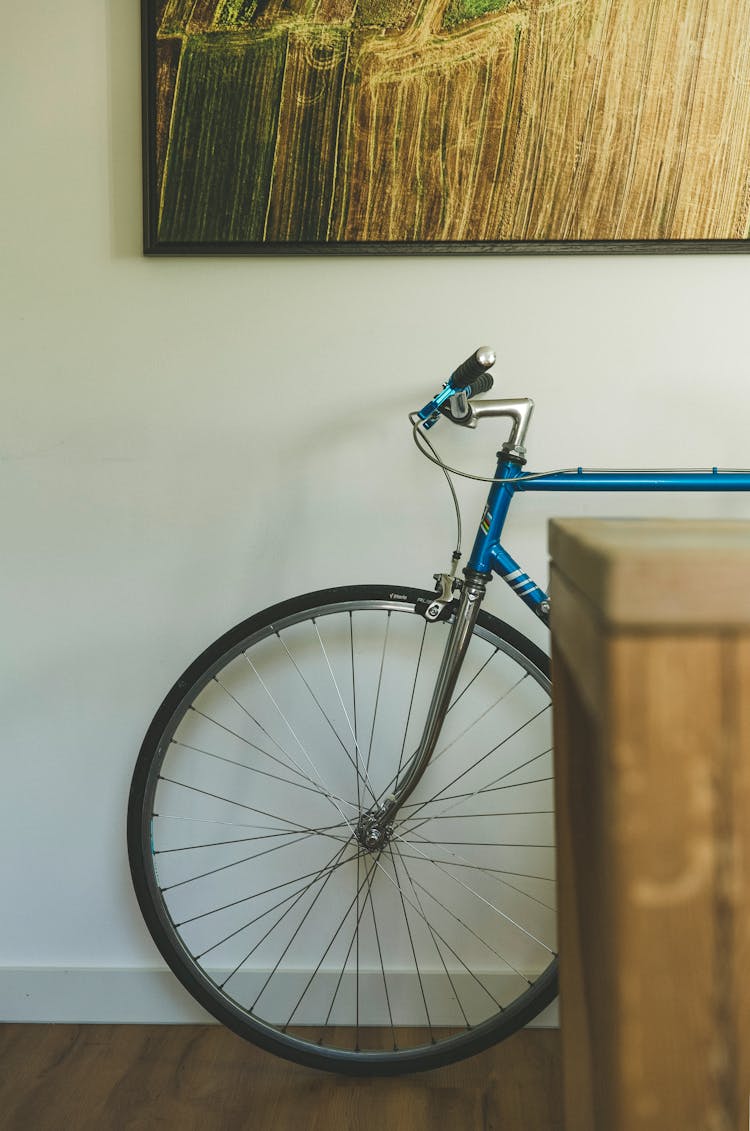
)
(123, 70)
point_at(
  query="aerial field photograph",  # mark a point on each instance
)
(340, 124)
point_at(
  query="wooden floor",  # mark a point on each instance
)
(148, 1077)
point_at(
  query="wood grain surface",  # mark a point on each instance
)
(652, 753)
(203, 1078)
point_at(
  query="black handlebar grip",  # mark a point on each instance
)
(473, 367)
(482, 384)
(457, 408)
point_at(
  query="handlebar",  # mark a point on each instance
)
(468, 380)
(475, 366)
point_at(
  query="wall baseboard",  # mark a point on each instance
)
(96, 996)
(114, 996)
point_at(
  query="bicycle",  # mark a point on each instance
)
(341, 820)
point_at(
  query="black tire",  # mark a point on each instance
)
(178, 878)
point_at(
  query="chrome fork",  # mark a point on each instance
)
(375, 825)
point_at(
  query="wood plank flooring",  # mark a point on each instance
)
(149, 1077)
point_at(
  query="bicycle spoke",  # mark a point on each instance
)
(460, 797)
(317, 702)
(439, 753)
(257, 894)
(294, 767)
(354, 939)
(382, 967)
(410, 829)
(242, 804)
(298, 838)
(483, 868)
(296, 738)
(253, 719)
(377, 694)
(401, 857)
(354, 706)
(214, 821)
(413, 949)
(285, 1026)
(471, 681)
(503, 813)
(356, 931)
(472, 932)
(255, 770)
(331, 867)
(294, 895)
(297, 929)
(501, 699)
(365, 778)
(460, 861)
(239, 840)
(445, 943)
(487, 902)
(491, 788)
(444, 750)
(490, 843)
(484, 757)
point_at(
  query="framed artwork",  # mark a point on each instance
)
(446, 125)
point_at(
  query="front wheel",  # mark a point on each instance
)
(248, 860)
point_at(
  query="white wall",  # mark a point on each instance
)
(184, 441)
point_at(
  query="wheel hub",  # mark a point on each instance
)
(371, 833)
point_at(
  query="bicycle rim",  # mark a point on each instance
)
(243, 835)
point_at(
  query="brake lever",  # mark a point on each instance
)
(430, 414)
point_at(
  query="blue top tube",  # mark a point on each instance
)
(581, 480)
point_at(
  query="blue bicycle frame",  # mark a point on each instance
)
(489, 556)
